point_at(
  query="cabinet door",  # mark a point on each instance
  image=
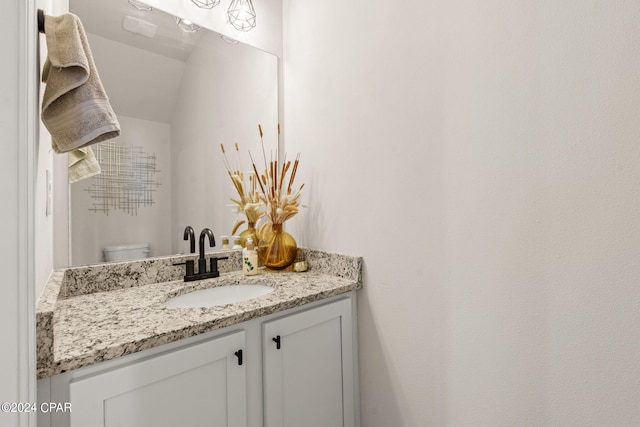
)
(309, 380)
(201, 385)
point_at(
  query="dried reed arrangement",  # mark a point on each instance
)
(249, 201)
(277, 190)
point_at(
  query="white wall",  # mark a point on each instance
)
(92, 231)
(60, 245)
(139, 83)
(484, 159)
(14, 382)
(44, 164)
(144, 108)
(45, 223)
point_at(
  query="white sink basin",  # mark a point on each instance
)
(220, 295)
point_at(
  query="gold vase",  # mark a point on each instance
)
(249, 232)
(277, 248)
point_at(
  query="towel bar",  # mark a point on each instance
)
(40, 21)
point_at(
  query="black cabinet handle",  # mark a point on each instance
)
(277, 341)
(239, 356)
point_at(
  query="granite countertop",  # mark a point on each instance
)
(86, 315)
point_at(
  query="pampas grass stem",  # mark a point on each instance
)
(280, 207)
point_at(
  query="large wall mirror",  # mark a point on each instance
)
(178, 95)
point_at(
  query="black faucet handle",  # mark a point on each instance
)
(213, 263)
(190, 266)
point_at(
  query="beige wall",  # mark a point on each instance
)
(484, 159)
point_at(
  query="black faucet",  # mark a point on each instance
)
(202, 262)
(202, 273)
(189, 234)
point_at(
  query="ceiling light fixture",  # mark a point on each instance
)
(139, 26)
(242, 15)
(186, 25)
(206, 4)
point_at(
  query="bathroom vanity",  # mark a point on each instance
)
(109, 345)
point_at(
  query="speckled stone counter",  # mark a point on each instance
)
(89, 314)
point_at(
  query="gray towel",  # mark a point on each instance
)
(75, 107)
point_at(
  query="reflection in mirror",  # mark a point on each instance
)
(178, 96)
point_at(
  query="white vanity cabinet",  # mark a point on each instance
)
(202, 384)
(311, 380)
(309, 368)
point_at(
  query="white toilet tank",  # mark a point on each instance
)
(125, 252)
